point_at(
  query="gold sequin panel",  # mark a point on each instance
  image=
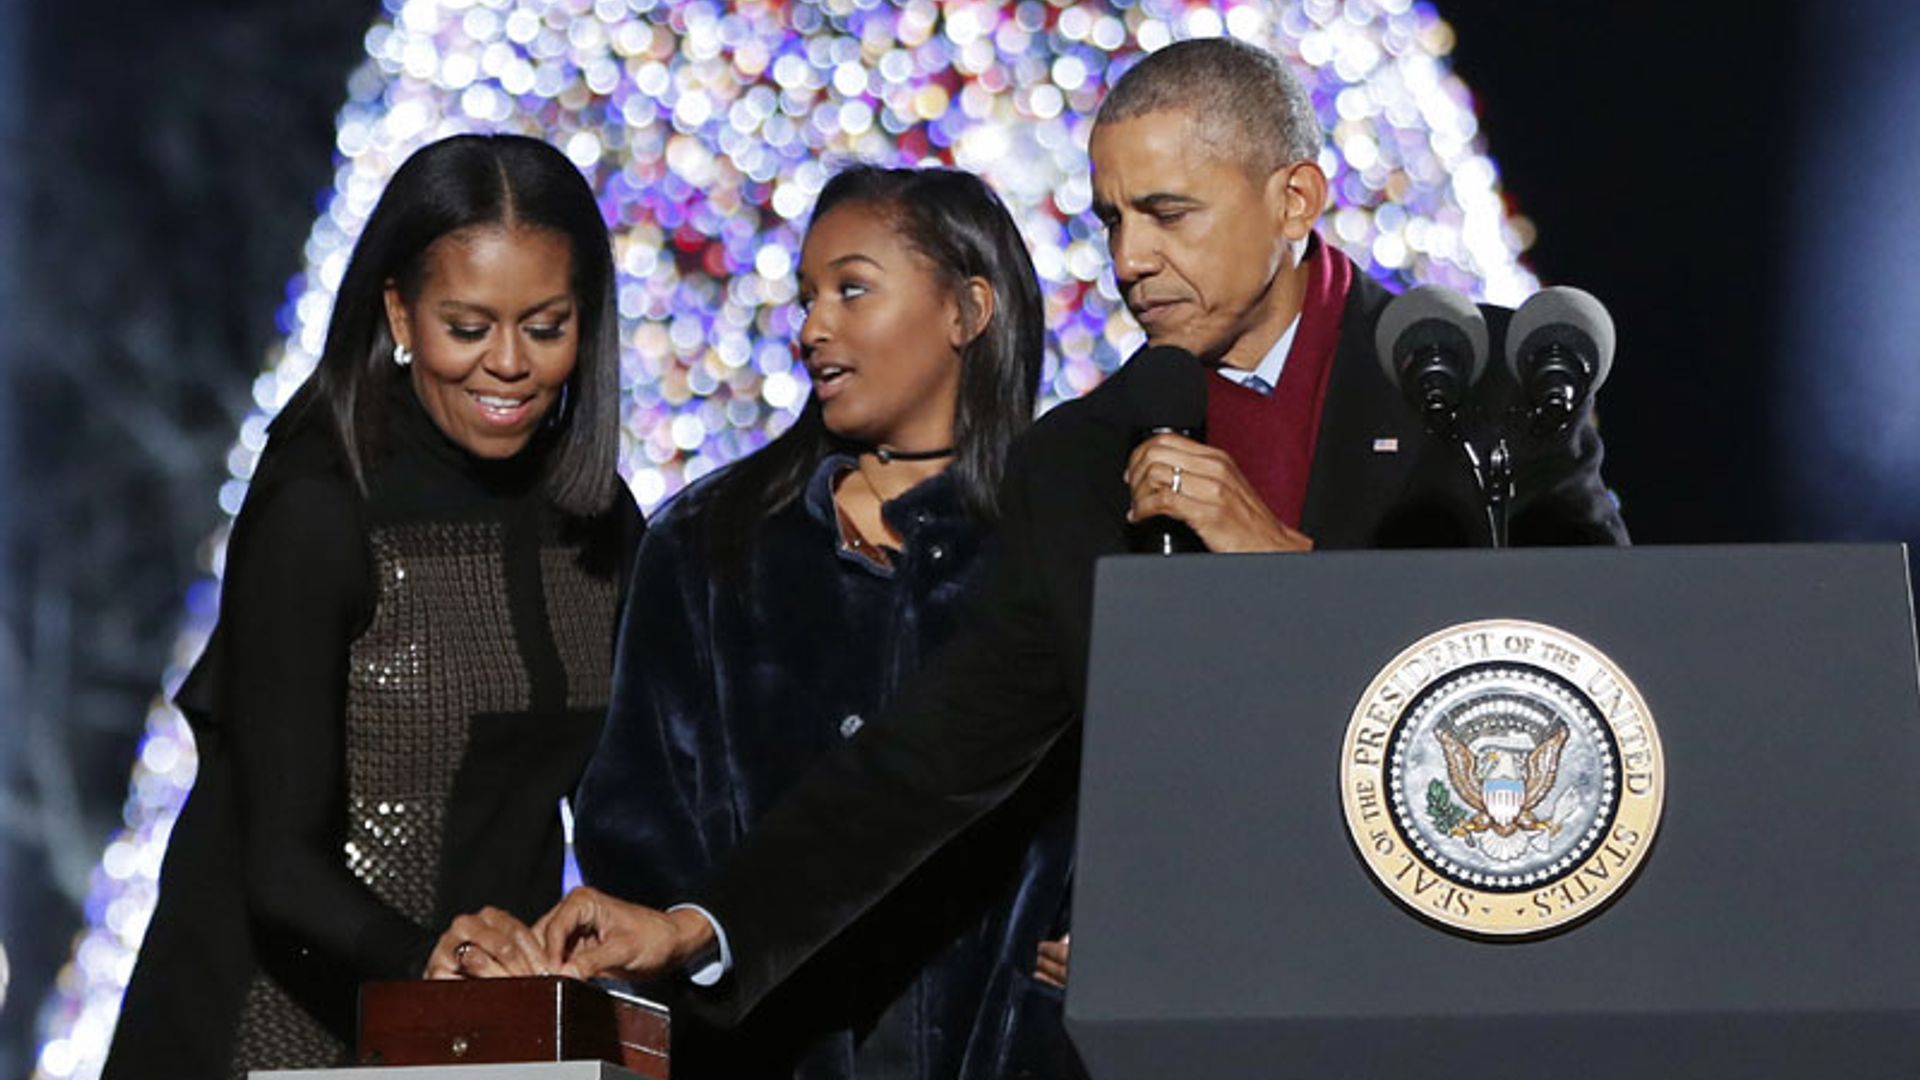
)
(580, 610)
(276, 1033)
(440, 649)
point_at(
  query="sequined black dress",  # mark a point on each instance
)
(402, 688)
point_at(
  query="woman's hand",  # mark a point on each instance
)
(590, 933)
(1052, 966)
(487, 944)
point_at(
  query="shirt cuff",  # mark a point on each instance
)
(712, 965)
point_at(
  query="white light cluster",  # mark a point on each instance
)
(707, 129)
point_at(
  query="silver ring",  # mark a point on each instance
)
(460, 950)
(1175, 486)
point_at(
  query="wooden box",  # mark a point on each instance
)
(474, 1021)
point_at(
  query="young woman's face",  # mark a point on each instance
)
(883, 332)
(494, 334)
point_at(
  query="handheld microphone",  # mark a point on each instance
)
(1167, 392)
(1560, 349)
(1432, 343)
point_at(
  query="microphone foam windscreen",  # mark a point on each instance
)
(1167, 388)
(1429, 315)
(1563, 315)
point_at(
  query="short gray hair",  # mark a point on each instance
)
(1252, 109)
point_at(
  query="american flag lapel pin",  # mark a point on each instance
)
(1386, 446)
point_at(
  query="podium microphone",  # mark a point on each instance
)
(1167, 393)
(1560, 349)
(1432, 343)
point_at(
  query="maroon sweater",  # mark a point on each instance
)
(1271, 436)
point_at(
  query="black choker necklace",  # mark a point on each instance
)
(888, 454)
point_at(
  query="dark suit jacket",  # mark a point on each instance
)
(986, 708)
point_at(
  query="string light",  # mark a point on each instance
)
(707, 129)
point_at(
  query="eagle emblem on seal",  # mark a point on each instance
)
(1503, 767)
(1502, 777)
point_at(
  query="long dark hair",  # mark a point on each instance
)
(956, 221)
(453, 184)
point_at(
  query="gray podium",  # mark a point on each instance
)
(1225, 926)
(542, 1070)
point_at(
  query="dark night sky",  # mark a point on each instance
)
(1646, 143)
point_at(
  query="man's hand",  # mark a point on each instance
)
(1051, 967)
(1201, 486)
(589, 933)
(490, 944)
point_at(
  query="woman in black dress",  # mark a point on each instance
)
(415, 634)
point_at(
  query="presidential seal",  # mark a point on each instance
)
(1502, 778)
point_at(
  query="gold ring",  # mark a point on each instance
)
(1175, 486)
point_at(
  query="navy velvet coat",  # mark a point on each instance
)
(727, 687)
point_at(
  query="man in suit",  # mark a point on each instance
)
(1205, 175)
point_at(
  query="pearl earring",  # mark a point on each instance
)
(402, 355)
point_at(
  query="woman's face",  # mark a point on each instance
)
(883, 331)
(494, 333)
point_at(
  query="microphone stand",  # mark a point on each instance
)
(1494, 478)
(1436, 393)
(1497, 489)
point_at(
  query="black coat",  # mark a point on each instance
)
(436, 650)
(1012, 682)
(729, 682)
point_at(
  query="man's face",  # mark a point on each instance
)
(1199, 247)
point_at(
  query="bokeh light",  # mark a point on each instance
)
(707, 129)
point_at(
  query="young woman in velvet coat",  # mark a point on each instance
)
(777, 604)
